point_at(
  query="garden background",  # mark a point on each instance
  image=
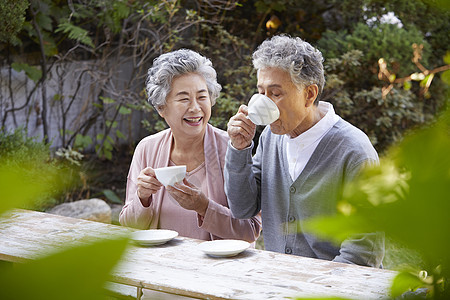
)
(73, 74)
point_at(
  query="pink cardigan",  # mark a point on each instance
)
(154, 151)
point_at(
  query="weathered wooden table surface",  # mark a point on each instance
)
(180, 267)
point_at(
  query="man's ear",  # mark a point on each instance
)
(311, 92)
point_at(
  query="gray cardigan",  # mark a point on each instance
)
(262, 183)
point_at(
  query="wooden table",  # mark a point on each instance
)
(180, 267)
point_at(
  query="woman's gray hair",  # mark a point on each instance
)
(301, 60)
(170, 65)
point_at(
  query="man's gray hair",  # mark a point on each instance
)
(170, 65)
(302, 61)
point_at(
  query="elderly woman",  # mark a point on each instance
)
(182, 86)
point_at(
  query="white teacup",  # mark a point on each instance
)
(262, 110)
(170, 175)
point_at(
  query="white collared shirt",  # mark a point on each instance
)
(300, 149)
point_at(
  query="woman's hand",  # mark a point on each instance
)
(189, 196)
(240, 129)
(147, 185)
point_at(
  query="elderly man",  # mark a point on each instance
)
(302, 159)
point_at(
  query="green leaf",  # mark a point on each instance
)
(121, 9)
(425, 80)
(73, 274)
(32, 72)
(111, 196)
(82, 141)
(406, 197)
(407, 85)
(392, 77)
(447, 58)
(14, 192)
(44, 21)
(405, 282)
(124, 110)
(107, 153)
(111, 124)
(429, 180)
(445, 76)
(120, 135)
(58, 97)
(107, 100)
(443, 4)
(75, 33)
(336, 229)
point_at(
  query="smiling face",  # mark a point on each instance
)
(297, 111)
(188, 106)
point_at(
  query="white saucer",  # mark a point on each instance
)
(224, 248)
(153, 237)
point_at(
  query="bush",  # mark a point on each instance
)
(353, 86)
(12, 17)
(389, 41)
(31, 160)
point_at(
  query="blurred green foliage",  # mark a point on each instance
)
(70, 273)
(30, 178)
(74, 273)
(29, 170)
(406, 196)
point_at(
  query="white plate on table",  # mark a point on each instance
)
(224, 248)
(153, 237)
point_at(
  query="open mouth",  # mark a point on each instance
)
(194, 120)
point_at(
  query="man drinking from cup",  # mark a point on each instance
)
(302, 158)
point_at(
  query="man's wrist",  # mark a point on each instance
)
(240, 149)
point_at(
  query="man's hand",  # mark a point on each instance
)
(240, 129)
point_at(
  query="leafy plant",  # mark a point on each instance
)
(74, 32)
(12, 18)
(384, 119)
(406, 197)
(70, 273)
(32, 72)
(384, 40)
(28, 167)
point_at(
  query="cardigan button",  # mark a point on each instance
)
(292, 189)
(291, 219)
(288, 250)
